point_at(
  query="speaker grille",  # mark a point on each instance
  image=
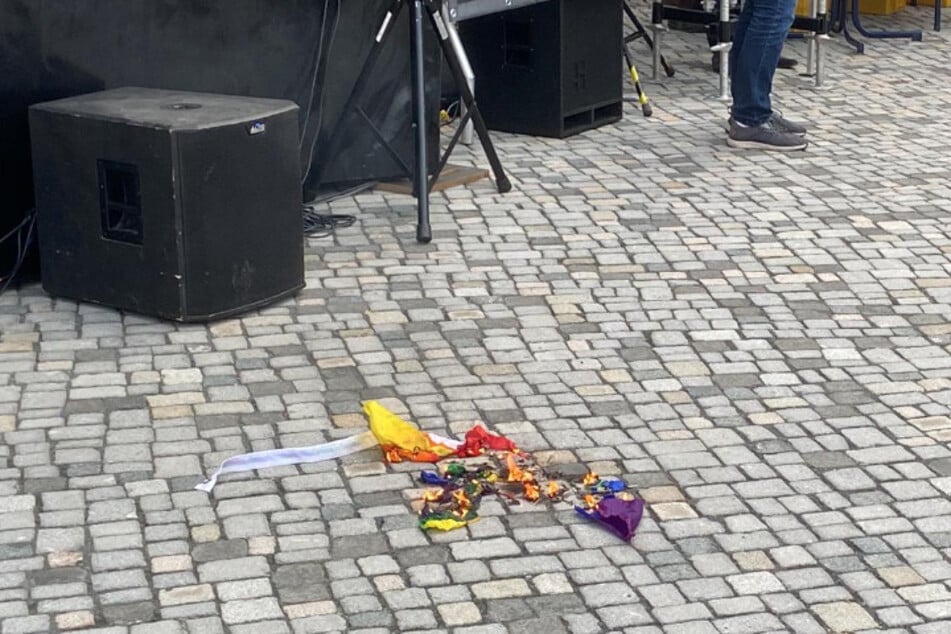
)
(120, 202)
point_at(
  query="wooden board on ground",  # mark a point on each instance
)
(452, 176)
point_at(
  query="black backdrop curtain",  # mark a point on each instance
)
(267, 48)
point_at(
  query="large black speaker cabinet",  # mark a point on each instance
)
(550, 69)
(181, 205)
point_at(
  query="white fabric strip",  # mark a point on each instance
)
(294, 455)
(301, 455)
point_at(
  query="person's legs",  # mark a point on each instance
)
(713, 38)
(739, 32)
(760, 33)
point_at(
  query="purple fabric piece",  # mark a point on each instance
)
(619, 516)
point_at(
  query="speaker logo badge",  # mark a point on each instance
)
(242, 278)
(580, 79)
(258, 127)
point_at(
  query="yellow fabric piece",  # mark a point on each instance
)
(391, 431)
(443, 525)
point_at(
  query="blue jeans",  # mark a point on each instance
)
(758, 40)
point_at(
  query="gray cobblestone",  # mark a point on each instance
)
(26, 624)
(226, 570)
(250, 610)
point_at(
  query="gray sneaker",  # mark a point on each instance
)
(780, 123)
(764, 137)
(785, 125)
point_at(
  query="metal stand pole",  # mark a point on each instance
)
(424, 232)
(820, 41)
(811, 47)
(658, 27)
(723, 47)
(467, 71)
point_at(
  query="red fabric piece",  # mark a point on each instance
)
(478, 441)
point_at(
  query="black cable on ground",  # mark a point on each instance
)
(322, 225)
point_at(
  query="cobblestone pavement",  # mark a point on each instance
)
(759, 343)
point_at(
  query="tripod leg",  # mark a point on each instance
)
(642, 32)
(641, 96)
(424, 232)
(501, 180)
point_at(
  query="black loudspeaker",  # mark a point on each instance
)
(181, 205)
(550, 69)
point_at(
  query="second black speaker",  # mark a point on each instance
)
(549, 69)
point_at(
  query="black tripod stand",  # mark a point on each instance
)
(422, 184)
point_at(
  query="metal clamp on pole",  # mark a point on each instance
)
(723, 46)
(658, 27)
